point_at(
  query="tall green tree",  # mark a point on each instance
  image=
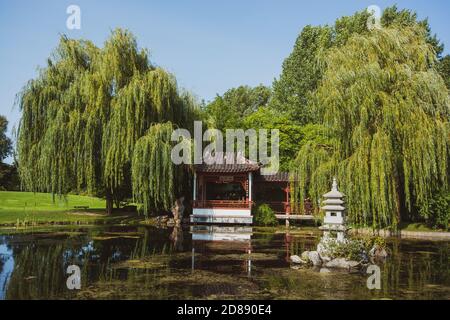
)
(385, 109)
(5, 142)
(444, 70)
(227, 111)
(291, 134)
(302, 72)
(8, 176)
(86, 112)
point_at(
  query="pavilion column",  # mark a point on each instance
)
(194, 192)
(288, 205)
(287, 190)
(250, 186)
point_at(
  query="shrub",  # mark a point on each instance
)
(437, 212)
(265, 216)
(352, 249)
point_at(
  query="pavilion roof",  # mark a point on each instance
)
(277, 177)
(227, 168)
(240, 164)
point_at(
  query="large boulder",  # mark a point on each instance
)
(342, 263)
(324, 270)
(314, 258)
(305, 256)
(297, 259)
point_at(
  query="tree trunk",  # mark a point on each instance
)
(178, 210)
(109, 203)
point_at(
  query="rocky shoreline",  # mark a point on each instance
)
(327, 261)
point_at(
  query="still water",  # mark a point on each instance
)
(204, 263)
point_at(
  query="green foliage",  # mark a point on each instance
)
(5, 142)
(303, 70)
(228, 110)
(264, 216)
(155, 179)
(386, 110)
(291, 134)
(301, 74)
(444, 70)
(313, 159)
(9, 177)
(437, 211)
(353, 249)
(85, 113)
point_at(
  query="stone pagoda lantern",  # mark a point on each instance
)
(334, 221)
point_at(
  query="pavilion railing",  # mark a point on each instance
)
(232, 204)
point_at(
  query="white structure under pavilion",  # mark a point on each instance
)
(334, 220)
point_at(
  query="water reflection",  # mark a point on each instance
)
(204, 262)
(224, 241)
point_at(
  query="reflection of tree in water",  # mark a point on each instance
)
(3, 259)
(414, 268)
(155, 263)
(410, 272)
(38, 272)
(177, 238)
(40, 265)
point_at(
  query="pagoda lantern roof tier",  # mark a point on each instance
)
(333, 201)
(334, 193)
(333, 208)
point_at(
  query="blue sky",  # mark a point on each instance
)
(210, 46)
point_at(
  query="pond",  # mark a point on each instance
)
(122, 262)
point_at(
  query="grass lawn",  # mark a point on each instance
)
(417, 227)
(28, 207)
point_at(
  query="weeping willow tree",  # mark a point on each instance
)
(384, 109)
(88, 117)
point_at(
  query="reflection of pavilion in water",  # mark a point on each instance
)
(222, 240)
(231, 241)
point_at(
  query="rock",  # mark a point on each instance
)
(321, 249)
(324, 270)
(297, 259)
(314, 258)
(378, 252)
(342, 263)
(305, 256)
(323, 256)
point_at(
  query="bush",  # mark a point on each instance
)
(438, 211)
(265, 216)
(353, 249)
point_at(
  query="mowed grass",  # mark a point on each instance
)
(29, 207)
